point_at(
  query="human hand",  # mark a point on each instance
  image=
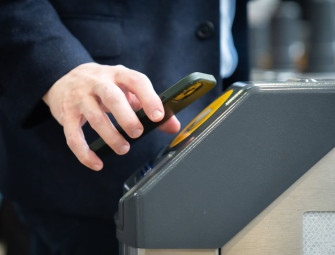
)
(89, 91)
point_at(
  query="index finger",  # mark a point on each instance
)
(140, 85)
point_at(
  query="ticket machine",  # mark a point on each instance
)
(253, 173)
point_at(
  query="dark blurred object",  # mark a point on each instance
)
(287, 46)
(12, 231)
(259, 15)
(321, 49)
(277, 34)
(296, 36)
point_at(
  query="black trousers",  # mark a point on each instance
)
(93, 237)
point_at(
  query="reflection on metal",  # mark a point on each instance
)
(127, 250)
(279, 228)
(177, 252)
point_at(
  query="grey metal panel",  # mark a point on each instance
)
(235, 165)
(279, 229)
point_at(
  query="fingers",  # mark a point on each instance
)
(140, 85)
(100, 122)
(133, 101)
(115, 100)
(76, 141)
(89, 91)
(171, 126)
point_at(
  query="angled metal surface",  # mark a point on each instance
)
(207, 188)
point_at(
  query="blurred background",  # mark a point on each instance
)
(291, 39)
(287, 39)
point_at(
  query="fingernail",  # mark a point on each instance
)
(156, 115)
(97, 167)
(124, 149)
(137, 132)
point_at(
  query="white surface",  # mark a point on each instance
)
(318, 233)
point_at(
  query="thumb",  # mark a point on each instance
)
(171, 126)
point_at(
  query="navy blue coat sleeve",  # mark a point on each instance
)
(36, 49)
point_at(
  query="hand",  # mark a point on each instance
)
(89, 91)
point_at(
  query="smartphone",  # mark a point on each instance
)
(174, 99)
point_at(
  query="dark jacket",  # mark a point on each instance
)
(40, 41)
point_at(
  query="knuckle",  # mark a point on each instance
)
(91, 81)
(107, 92)
(67, 110)
(136, 79)
(85, 159)
(117, 69)
(95, 117)
(71, 142)
(130, 123)
(65, 106)
(112, 144)
(113, 98)
(105, 88)
(64, 110)
(110, 99)
(86, 67)
(77, 93)
(114, 139)
(120, 67)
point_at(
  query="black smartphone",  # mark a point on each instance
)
(174, 99)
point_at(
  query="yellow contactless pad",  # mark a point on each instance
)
(201, 118)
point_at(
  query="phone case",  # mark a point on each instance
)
(174, 99)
